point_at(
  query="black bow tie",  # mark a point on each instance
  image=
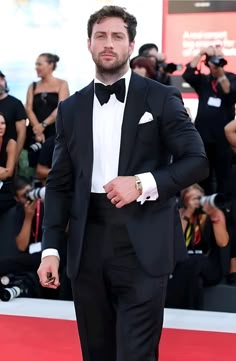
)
(103, 92)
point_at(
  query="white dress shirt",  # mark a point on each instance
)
(107, 124)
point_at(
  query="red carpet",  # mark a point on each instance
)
(40, 339)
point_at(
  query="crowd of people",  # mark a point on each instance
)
(27, 136)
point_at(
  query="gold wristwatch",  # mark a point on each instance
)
(138, 184)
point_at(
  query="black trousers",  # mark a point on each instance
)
(119, 307)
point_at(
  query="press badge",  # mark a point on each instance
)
(35, 247)
(214, 102)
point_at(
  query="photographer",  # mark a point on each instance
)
(217, 95)
(29, 215)
(206, 239)
(205, 232)
(150, 51)
(21, 269)
(28, 231)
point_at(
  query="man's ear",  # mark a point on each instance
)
(89, 44)
(131, 47)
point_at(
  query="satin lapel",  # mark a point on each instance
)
(84, 119)
(134, 109)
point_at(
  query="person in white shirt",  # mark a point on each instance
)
(124, 148)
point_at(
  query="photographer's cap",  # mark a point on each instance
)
(2, 75)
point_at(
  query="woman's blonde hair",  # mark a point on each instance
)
(185, 191)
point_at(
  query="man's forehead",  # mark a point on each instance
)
(111, 24)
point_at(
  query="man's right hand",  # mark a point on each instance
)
(48, 269)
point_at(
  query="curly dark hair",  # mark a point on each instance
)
(116, 12)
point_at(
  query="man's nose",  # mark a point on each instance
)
(108, 42)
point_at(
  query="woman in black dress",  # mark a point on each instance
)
(43, 98)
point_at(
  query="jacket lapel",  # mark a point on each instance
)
(134, 109)
(84, 129)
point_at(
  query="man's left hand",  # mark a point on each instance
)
(122, 191)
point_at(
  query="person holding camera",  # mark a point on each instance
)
(205, 231)
(150, 51)
(206, 239)
(217, 95)
(28, 230)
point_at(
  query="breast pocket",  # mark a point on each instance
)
(148, 132)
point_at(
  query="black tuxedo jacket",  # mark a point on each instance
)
(169, 147)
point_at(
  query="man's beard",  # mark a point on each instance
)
(116, 67)
(2, 90)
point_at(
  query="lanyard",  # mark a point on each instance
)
(214, 86)
(37, 222)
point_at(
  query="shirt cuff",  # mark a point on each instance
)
(150, 192)
(50, 252)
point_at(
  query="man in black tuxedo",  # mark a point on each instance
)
(124, 147)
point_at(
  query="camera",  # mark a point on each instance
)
(216, 200)
(35, 194)
(21, 285)
(7, 294)
(218, 61)
(169, 67)
(35, 147)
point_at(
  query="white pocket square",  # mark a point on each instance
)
(147, 117)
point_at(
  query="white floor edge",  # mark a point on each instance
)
(178, 319)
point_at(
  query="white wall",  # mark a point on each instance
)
(59, 26)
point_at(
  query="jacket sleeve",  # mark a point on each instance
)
(58, 191)
(182, 140)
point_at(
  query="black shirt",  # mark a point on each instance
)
(13, 111)
(210, 120)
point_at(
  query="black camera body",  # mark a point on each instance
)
(218, 61)
(169, 68)
(17, 285)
